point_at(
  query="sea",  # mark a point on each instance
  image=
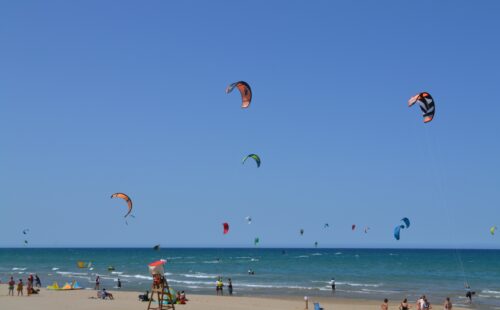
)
(372, 274)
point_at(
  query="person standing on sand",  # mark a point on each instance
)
(447, 304)
(97, 283)
(385, 305)
(119, 283)
(404, 305)
(230, 286)
(20, 286)
(38, 282)
(11, 286)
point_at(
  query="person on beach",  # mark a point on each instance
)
(11, 283)
(332, 284)
(385, 305)
(426, 305)
(469, 293)
(420, 303)
(119, 284)
(29, 287)
(217, 287)
(447, 304)
(30, 279)
(404, 305)
(221, 287)
(97, 283)
(20, 286)
(230, 287)
(38, 282)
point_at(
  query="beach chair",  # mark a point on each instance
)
(317, 306)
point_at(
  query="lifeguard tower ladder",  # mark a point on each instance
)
(160, 289)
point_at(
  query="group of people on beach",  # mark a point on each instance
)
(33, 282)
(421, 304)
(219, 287)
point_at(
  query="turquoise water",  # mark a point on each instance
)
(363, 273)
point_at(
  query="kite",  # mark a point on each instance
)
(316, 244)
(426, 105)
(492, 230)
(301, 232)
(326, 225)
(397, 231)
(156, 247)
(406, 221)
(25, 231)
(248, 219)
(126, 198)
(353, 227)
(254, 156)
(226, 228)
(256, 241)
(367, 229)
(245, 90)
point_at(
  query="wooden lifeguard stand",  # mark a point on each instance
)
(160, 288)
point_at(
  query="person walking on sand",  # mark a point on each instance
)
(404, 305)
(230, 287)
(447, 304)
(38, 282)
(11, 283)
(97, 283)
(385, 305)
(20, 286)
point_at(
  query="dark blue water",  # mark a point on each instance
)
(363, 273)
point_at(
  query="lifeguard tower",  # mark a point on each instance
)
(160, 289)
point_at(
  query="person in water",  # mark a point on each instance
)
(385, 305)
(469, 292)
(119, 283)
(230, 287)
(97, 283)
(404, 305)
(447, 304)
(332, 283)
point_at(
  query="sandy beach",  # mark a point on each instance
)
(84, 299)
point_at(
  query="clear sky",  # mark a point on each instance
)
(98, 97)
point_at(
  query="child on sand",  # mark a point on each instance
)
(447, 304)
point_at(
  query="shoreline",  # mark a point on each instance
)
(127, 300)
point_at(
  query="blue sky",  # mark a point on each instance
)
(102, 97)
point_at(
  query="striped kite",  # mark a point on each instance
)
(226, 228)
(426, 105)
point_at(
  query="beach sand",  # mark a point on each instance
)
(126, 300)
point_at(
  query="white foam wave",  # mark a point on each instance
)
(117, 272)
(359, 284)
(19, 268)
(486, 291)
(69, 273)
(211, 261)
(316, 254)
(302, 256)
(55, 268)
(338, 253)
(200, 276)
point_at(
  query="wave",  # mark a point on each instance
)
(200, 276)
(211, 261)
(69, 273)
(55, 268)
(19, 268)
(316, 254)
(192, 282)
(138, 276)
(338, 253)
(358, 284)
(486, 291)
(302, 256)
(117, 272)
